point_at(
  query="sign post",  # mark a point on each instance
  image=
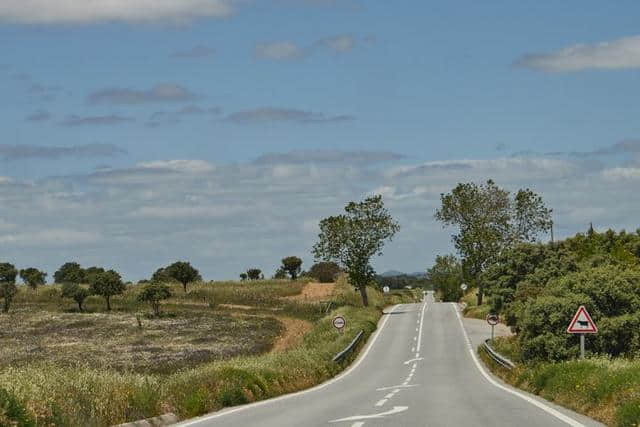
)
(493, 320)
(582, 324)
(339, 323)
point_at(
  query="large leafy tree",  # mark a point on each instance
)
(8, 290)
(254, 273)
(107, 284)
(351, 239)
(70, 272)
(154, 293)
(180, 271)
(446, 277)
(33, 277)
(76, 292)
(325, 272)
(488, 221)
(292, 265)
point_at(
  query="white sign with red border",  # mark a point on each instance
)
(339, 322)
(582, 323)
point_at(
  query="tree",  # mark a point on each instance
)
(70, 272)
(489, 221)
(446, 277)
(243, 276)
(280, 274)
(351, 239)
(324, 272)
(92, 271)
(153, 293)
(179, 271)
(33, 277)
(8, 288)
(254, 273)
(292, 265)
(106, 285)
(76, 293)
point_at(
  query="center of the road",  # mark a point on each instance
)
(395, 410)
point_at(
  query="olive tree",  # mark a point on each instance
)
(254, 273)
(70, 272)
(107, 284)
(351, 239)
(489, 221)
(75, 292)
(292, 265)
(8, 288)
(154, 293)
(180, 271)
(33, 277)
(325, 272)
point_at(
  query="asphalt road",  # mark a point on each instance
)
(418, 370)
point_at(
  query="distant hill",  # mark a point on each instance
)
(396, 273)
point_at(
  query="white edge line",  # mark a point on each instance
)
(424, 306)
(350, 369)
(559, 415)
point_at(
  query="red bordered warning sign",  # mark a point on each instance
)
(582, 323)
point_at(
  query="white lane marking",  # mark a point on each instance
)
(395, 410)
(349, 370)
(396, 387)
(424, 307)
(559, 415)
(415, 338)
(389, 396)
(418, 355)
(413, 360)
(358, 424)
(381, 402)
(396, 390)
(413, 349)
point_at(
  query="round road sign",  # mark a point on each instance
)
(463, 286)
(493, 319)
(385, 289)
(339, 322)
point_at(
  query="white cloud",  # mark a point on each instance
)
(225, 218)
(622, 53)
(85, 11)
(279, 50)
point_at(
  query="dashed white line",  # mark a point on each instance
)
(358, 424)
(381, 402)
(389, 396)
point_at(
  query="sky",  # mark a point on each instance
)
(140, 132)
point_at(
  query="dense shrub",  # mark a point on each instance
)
(324, 272)
(12, 412)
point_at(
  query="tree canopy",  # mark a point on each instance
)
(33, 277)
(154, 293)
(292, 265)
(70, 272)
(180, 271)
(351, 239)
(488, 221)
(8, 290)
(107, 284)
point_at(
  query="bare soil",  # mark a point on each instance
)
(314, 292)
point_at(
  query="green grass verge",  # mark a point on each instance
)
(607, 390)
(473, 310)
(69, 396)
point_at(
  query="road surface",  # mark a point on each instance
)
(417, 370)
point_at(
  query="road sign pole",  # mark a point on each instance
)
(492, 326)
(582, 346)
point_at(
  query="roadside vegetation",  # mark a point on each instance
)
(92, 350)
(537, 287)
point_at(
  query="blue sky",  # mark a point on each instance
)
(136, 135)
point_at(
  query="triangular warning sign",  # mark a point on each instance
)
(582, 323)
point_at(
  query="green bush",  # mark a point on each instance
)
(628, 414)
(12, 413)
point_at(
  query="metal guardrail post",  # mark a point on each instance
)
(349, 348)
(497, 357)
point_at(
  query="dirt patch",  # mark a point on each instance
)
(237, 306)
(293, 335)
(315, 292)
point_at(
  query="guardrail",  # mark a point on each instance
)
(497, 357)
(344, 353)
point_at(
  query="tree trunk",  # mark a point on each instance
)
(108, 304)
(5, 309)
(365, 297)
(184, 285)
(80, 306)
(156, 308)
(480, 293)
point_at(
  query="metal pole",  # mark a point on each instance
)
(582, 346)
(492, 326)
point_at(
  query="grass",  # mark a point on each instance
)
(605, 389)
(54, 392)
(473, 310)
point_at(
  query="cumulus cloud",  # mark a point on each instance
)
(289, 50)
(87, 12)
(327, 156)
(27, 151)
(223, 217)
(111, 119)
(275, 114)
(622, 53)
(195, 52)
(160, 93)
